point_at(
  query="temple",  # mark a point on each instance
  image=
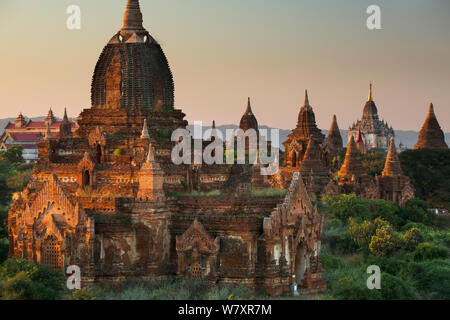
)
(335, 137)
(109, 199)
(393, 185)
(431, 135)
(376, 133)
(28, 133)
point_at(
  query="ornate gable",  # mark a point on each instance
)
(197, 237)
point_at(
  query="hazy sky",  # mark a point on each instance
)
(222, 51)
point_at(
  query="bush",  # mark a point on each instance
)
(427, 251)
(353, 288)
(385, 242)
(412, 238)
(119, 152)
(83, 294)
(416, 210)
(346, 206)
(19, 181)
(433, 279)
(394, 288)
(4, 247)
(24, 279)
(337, 239)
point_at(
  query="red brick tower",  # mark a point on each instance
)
(431, 135)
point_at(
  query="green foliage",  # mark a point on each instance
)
(83, 294)
(346, 206)
(394, 288)
(433, 279)
(427, 251)
(169, 289)
(268, 192)
(385, 242)
(337, 239)
(23, 279)
(13, 155)
(429, 171)
(373, 163)
(416, 210)
(119, 152)
(4, 246)
(412, 238)
(19, 181)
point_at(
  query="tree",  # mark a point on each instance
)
(427, 251)
(413, 237)
(23, 279)
(373, 162)
(385, 242)
(13, 155)
(429, 171)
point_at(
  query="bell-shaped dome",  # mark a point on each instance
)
(370, 109)
(132, 72)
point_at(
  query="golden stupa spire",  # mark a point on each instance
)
(370, 91)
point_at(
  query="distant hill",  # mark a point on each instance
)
(407, 138)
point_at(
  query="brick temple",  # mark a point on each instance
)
(108, 198)
(431, 135)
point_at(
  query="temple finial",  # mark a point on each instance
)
(65, 118)
(306, 103)
(249, 107)
(431, 109)
(132, 19)
(370, 91)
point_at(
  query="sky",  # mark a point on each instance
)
(223, 51)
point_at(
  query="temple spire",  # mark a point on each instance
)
(431, 135)
(392, 165)
(334, 135)
(306, 103)
(370, 92)
(132, 19)
(65, 118)
(144, 133)
(249, 107)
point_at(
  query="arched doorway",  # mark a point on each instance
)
(294, 159)
(86, 178)
(98, 153)
(300, 264)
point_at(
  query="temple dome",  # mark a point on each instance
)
(248, 120)
(132, 72)
(370, 109)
